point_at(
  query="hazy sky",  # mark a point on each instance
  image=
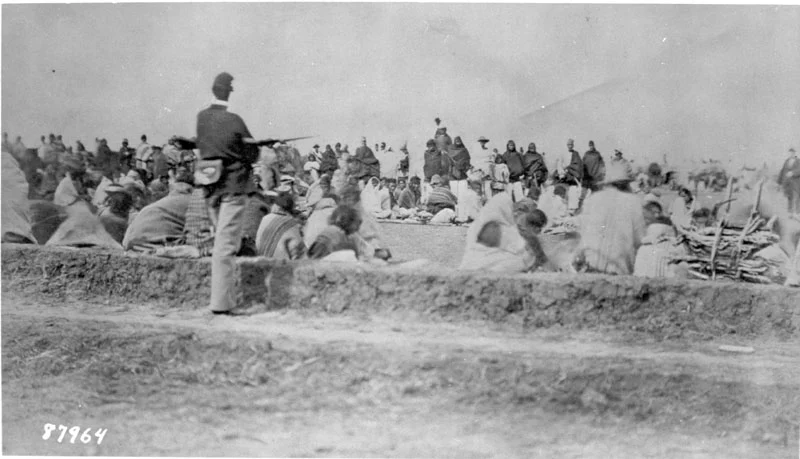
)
(685, 81)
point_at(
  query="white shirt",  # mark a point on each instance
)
(480, 158)
(143, 153)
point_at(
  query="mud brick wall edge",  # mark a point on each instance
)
(542, 300)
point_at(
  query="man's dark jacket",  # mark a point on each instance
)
(220, 135)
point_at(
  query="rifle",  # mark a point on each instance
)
(271, 142)
(190, 144)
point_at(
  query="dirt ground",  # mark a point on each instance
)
(292, 384)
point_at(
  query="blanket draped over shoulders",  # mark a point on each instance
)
(16, 212)
(459, 160)
(511, 255)
(369, 166)
(274, 233)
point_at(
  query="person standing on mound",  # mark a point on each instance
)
(227, 153)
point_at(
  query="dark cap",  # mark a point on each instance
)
(223, 80)
(431, 143)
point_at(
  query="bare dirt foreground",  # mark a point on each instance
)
(303, 384)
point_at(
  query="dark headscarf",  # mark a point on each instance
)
(369, 166)
(594, 168)
(535, 167)
(459, 157)
(433, 162)
(329, 162)
(513, 160)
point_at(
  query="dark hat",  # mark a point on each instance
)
(482, 139)
(316, 145)
(223, 80)
(124, 140)
(431, 143)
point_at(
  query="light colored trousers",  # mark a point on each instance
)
(459, 189)
(515, 188)
(228, 224)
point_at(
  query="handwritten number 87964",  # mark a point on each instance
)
(85, 437)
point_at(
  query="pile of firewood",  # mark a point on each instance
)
(727, 252)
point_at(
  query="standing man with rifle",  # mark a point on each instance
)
(227, 153)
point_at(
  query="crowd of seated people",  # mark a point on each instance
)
(145, 200)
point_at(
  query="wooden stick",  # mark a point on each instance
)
(714, 249)
(758, 198)
(771, 223)
(729, 194)
(735, 259)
